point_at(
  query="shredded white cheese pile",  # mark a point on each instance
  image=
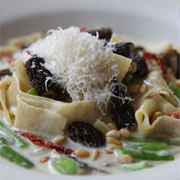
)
(80, 62)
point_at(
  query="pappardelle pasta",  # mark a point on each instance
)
(83, 101)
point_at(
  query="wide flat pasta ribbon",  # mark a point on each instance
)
(164, 125)
(40, 114)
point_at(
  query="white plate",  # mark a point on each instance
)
(155, 20)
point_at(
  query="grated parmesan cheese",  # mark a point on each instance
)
(79, 61)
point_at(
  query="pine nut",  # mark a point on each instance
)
(112, 126)
(113, 133)
(143, 89)
(112, 140)
(125, 158)
(113, 147)
(95, 154)
(81, 153)
(134, 88)
(154, 63)
(59, 139)
(44, 159)
(107, 152)
(178, 82)
(124, 133)
(155, 116)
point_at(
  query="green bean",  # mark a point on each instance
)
(18, 141)
(169, 141)
(152, 146)
(135, 166)
(15, 157)
(65, 166)
(143, 155)
(2, 141)
(172, 141)
(32, 92)
(175, 89)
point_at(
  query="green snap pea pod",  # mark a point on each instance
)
(18, 141)
(32, 92)
(173, 141)
(128, 78)
(169, 141)
(13, 156)
(65, 166)
(135, 166)
(143, 155)
(152, 146)
(175, 89)
(2, 141)
(155, 157)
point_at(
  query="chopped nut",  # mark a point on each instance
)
(95, 154)
(178, 82)
(134, 88)
(112, 140)
(155, 116)
(113, 147)
(107, 152)
(125, 133)
(125, 158)
(153, 62)
(44, 159)
(143, 89)
(109, 163)
(112, 126)
(59, 139)
(81, 153)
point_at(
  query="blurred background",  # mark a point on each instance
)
(152, 20)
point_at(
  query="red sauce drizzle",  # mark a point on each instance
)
(82, 28)
(28, 52)
(10, 59)
(44, 143)
(160, 61)
(175, 114)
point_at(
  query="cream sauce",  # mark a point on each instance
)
(106, 162)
